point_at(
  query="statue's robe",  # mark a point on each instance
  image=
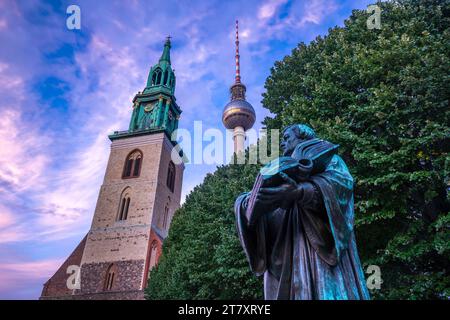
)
(307, 251)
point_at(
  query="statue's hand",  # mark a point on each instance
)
(281, 196)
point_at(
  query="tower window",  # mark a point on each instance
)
(137, 166)
(124, 205)
(132, 167)
(152, 261)
(110, 277)
(128, 166)
(166, 216)
(171, 176)
(125, 211)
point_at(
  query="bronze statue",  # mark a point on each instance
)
(296, 226)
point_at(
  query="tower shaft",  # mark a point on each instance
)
(239, 139)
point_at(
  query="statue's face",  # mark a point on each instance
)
(289, 142)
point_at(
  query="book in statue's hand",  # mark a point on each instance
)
(309, 157)
(270, 176)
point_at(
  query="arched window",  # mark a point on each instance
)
(156, 78)
(166, 216)
(166, 76)
(171, 176)
(153, 257)
(110, 277)
(128, 166)
(137, 165)
(124, 205)
(132, 167)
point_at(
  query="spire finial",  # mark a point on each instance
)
(166, 52)
(238, 72)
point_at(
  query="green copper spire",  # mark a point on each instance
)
(161, 75)
(166, 53)
(155, 109)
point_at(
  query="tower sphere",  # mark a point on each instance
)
(238, 113)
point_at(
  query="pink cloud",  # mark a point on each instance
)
(9, 230)
(21, 161)
(6, 217)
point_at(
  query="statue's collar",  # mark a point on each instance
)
(310, 145)
(317, 150)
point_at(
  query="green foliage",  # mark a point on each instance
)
(383, 95)
(202, 257)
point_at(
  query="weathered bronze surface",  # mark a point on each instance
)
(298, 233)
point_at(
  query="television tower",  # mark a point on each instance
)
(238, 114)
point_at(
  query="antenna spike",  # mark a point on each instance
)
(238, 71)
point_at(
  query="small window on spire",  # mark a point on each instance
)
(158, 77)
(166, 76)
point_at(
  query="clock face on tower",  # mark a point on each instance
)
(149, 107)
(147, 120)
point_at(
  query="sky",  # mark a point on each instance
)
(63, 91)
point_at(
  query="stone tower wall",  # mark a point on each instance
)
(126, 243)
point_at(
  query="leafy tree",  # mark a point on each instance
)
(383, 95)
(202, 257)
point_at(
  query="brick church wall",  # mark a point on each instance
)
(112, 295)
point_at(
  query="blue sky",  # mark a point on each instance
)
(63, 91)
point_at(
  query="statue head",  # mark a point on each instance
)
(293, 135)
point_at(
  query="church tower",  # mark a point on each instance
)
(140, 192)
